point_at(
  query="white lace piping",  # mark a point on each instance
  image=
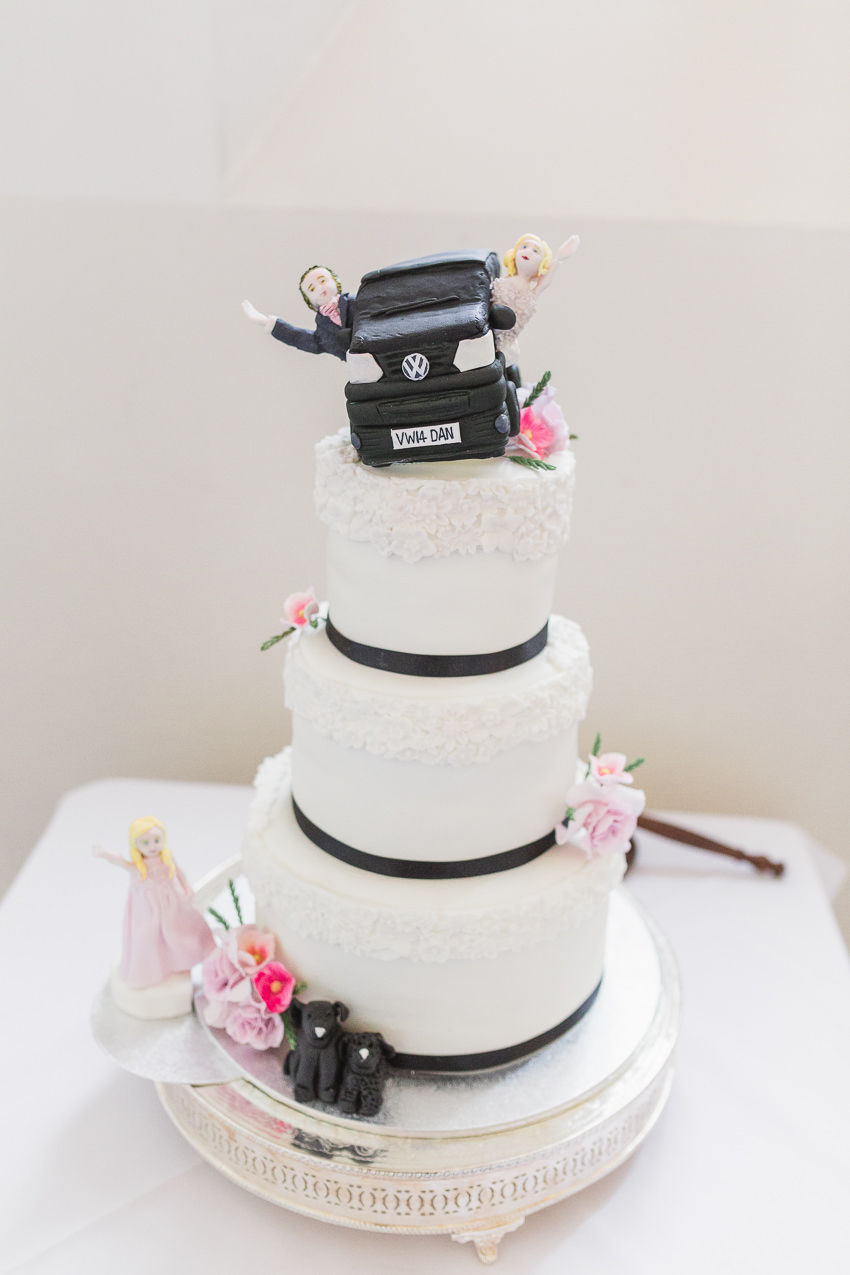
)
(455, 730)
(393, 933)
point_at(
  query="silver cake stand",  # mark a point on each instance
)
(466, 1156)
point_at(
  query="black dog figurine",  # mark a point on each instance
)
(314, 1063)
(364, 1069)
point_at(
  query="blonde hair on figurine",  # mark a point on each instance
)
(510, 257)
(137, 829)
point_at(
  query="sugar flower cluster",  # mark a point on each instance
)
(299, 611)
(542, 429)
(246, 989)
(603, 808)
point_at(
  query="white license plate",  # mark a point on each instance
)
(426, 435)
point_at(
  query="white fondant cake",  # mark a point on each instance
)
(443, 559)
(445, 967)
(403, 852)
(434, 765)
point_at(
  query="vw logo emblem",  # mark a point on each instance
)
(415, 367)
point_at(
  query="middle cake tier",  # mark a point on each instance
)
(390, 770)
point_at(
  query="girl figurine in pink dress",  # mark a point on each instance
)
(164, 933)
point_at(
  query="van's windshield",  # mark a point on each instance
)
(439, 303)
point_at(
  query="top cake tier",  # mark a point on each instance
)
(447, 559)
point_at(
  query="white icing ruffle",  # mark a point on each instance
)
(395, 933)
(272, 782)
(524, 513)
(458, 730)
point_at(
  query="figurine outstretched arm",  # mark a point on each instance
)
(100, 853)
(302, 338)
(566, 250)
(268, 320)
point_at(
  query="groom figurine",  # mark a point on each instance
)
(334, 309)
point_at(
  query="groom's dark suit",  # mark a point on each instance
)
(327, 337)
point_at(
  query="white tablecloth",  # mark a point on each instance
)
(747, 1171)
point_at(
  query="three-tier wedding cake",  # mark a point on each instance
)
(403, 850)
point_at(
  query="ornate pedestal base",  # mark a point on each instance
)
(469, 1157)
(473, 1190)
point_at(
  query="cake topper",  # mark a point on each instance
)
(425, 380)
(164, 934)
(531, 268)
(322, 292)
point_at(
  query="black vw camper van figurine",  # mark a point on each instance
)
(426, 382)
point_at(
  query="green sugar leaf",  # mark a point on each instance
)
(235, 897)
(570, 814)
(538, 389)
(272, 641)
(288, 1030)
(531, 462)
(218, 917)
(633, 765)
(299, 987)
(597, 744)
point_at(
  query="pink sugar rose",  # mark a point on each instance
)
(224, 980)
(250, 1023)
(299, 608)
(248, 948)
(216, 1013)
(275, 984)
(542, 428)
(537, 432)
(605, 817)
(229, 971)
(610, 769)
(253, 949)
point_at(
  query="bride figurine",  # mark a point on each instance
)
(164, 933)
(531, 268)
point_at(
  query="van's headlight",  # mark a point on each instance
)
(363, 368)
(477, 351)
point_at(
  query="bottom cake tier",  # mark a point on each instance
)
(457, 974)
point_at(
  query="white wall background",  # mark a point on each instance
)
(158, 161)
(673, 110)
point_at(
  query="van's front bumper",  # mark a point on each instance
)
(393, 421)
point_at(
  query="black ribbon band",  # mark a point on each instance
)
(437, 665)
(421, 869)
(493, 1057)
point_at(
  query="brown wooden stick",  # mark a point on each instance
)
(674, 833)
